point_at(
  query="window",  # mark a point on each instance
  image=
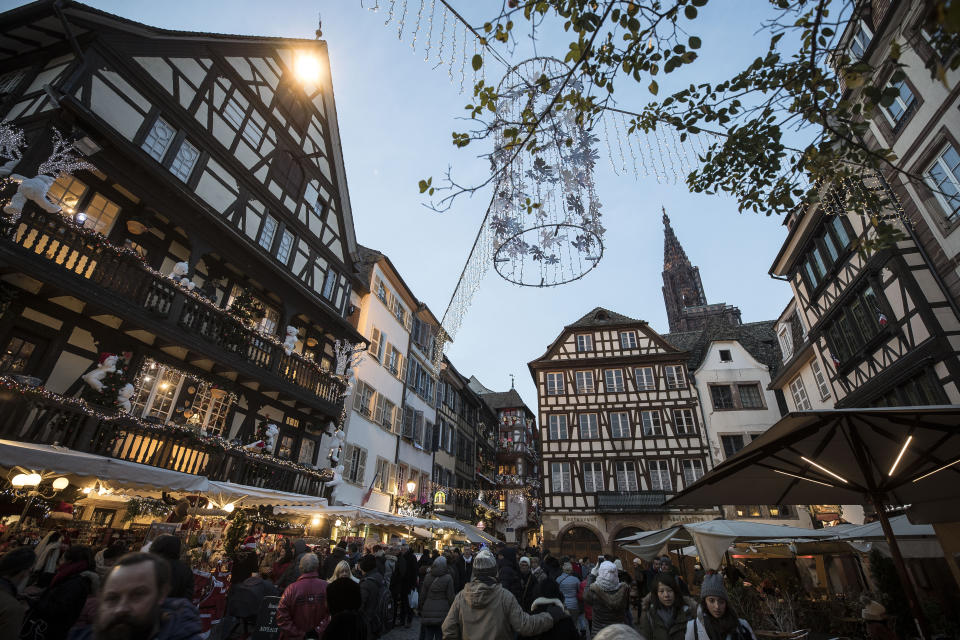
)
(394, 360)
(102, 517)
(644, 378)
(163, 393)
(593, 477)
(267, 232)
(725, 355)
(101, 214)
(692, 471)
(683, 422)
(800, 394)
(418, 424)
(381, 291)
(560, 477)
(620, 425)
(731, 444)
(750, 396)
(381, 475)
(362, 399)
(558, 427)
(856, 324)
(233, 113)
(66, 191)
(660, 476)
(626, 476)
(831, 241)
(287, 172)
(786, 341)
(675, 376)
(11, 80)
(652, 426)
(613, 380)
(388, 414)
(185, 160)
(722, 396)
(588, 426)
(158, 140)
(329, 282)
(860, 40)
(584, 342)
(376, 344)
(628, 339)
(901, 103)
(749, 511)
(555, 384)
(944, 178)
(354, 463)
(16, 356)
(585, 382)
(286, 245)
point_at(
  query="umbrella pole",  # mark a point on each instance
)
(918, 617)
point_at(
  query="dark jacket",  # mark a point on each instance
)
(331, 561)
(609, 607)
(12, 609)
(509, 572)
(528, 590)
(410, 574)
(652, 625)
(58, 608)
(464, 572)
(564, 627)
(303, 607)
(181, 577)
(343, 594)
(436, 594)
(370, 585)
(293, 571)
(243, 600)
(179, 620)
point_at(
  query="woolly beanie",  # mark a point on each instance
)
(713, 586)
(484, 560)
(607, 577)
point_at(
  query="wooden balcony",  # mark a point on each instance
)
(61, 421)
(53, 249)
(631, 501)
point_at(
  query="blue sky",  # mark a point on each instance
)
(396, 113)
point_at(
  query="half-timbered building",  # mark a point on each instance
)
(621, 432)
(216, 175)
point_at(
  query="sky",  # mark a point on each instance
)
(396, 113)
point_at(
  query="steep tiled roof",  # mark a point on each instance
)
(758, 338)
(503, 399)
(600, 317)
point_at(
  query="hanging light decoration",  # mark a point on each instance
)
(545, 215)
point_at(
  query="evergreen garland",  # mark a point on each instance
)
(236, 533)
(138, 506)
(248, 312)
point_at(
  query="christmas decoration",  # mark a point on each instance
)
(62, 159)
(124, 395)
(154, 507)
(335, 483)
(108, 379)
(247, 309)
(266, 441)
(413, 507)
(179, 275)
(11, 147)
(105, 365)
(239, 526)
(290, 342)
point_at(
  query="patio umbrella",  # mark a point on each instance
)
(888, 456)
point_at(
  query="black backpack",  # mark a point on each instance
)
(382, 620)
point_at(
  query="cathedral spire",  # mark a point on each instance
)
(673, 253)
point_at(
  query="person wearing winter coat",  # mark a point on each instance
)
(15, 566)
(528, 584)
(436, 597)
(569, 585)
(465, 568)
(343, 592)
(303, 605)
(292, 572)
(551, 601)
(370, 585)
(338, 555)
(716, 619)
(181, 577)
(664, 612)
(508, 571)
(608, 597)
(59, 606)
(484, 610)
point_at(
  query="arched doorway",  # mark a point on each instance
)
(625, 556)
(578, 542)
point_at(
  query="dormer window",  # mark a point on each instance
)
(584, 343)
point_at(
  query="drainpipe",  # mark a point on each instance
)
(403, 404)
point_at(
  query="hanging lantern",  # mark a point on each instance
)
(545, 216)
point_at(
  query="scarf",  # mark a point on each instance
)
(719, 628)
(667, 614)
(67, 570)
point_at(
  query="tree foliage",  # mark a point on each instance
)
(795, 118)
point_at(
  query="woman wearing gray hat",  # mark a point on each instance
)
(716, 619)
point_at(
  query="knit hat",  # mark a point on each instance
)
(713, 586)
(607, 576)
(484, 560)
(525, 560)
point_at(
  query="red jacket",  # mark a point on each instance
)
(303, 607)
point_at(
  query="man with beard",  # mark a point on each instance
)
(133, 605)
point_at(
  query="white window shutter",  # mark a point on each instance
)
(362, 464)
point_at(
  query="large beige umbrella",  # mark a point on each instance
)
(894, 456)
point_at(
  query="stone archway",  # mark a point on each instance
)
(579, 541)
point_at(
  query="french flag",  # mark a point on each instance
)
(836, 361)
(882, 319)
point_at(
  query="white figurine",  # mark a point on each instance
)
(106, 364)
(7, 167)
(123, 397)
(335, 483)
(179, 275)
(268, 443)
(34, 189)
(290, 342)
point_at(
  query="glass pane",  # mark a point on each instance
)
(750, 397)
(158, 140)
(840, 231)
(101, 214)
(16, 356)
(268, 232)
(183, 163)
(66, 192)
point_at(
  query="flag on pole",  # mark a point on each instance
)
(366, 496)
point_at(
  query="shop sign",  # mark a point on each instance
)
(267, 628)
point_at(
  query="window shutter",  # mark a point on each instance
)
(346, 459)
(376, 344)
(407, 422)
(361, 466)
(392, 478)
(379, 408)
(435, 444)
(418, 428)
(357, 393)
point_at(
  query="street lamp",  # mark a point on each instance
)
(28, 482)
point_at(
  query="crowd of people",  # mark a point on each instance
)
(58, 592)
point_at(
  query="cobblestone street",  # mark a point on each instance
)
(401, 633)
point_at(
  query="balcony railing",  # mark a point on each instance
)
(50, 419)
(510, 448)
(631, 501)
(70, 252)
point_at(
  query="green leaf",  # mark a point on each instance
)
(477, 62)
(690, 11)
(654, 88)
(425, 184)
(694, 42)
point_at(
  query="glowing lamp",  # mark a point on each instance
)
(306, 66)
(33, 480)
(228, 507)
(338, 523)
(80, 217)
(411, 486)
(60, 484)
(87, 490)
(19, 480)
(315, 521)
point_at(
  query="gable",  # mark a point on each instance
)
(638, 341)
